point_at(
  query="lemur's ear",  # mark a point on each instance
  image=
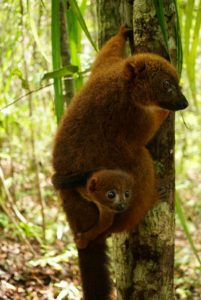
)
(134, 69)
(129, 70)
(140, 68)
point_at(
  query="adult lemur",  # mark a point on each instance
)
(108, 125)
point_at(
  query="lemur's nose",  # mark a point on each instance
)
(184, 102)
(181, 103)
(121, 207)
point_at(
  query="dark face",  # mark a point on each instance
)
(168, 93)
(154, 82)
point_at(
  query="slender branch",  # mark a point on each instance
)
(40, 88)
(6, 209)
(25, 95)
(10, 199)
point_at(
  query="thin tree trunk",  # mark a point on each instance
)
(65, 53)
(144, 259)
(34, 157)
(111, 15)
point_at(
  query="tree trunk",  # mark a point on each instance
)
(144, 259)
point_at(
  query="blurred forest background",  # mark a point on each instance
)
(37, 255)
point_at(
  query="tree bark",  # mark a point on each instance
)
(144, 259)
(111, 15)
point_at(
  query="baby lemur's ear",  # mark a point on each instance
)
(134, 69)
(92, 186)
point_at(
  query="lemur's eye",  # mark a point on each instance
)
(111, 194)
(169, 87)
(166, 84)
(127, 194)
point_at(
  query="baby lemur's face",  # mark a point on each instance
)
(112, 189)
(116, 199)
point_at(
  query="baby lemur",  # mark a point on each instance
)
(111, 191)
(108, 124)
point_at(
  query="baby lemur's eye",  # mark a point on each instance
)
(127, 194)
(111, 194)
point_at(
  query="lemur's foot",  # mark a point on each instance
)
(126, 31)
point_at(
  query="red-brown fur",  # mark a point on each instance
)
(108, 124)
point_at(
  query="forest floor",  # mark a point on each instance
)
(39, 278)
(57, 276)
(187, 268)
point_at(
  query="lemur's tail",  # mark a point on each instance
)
(94, 262)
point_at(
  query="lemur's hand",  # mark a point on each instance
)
(81, 241)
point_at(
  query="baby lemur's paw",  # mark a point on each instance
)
(81, 241)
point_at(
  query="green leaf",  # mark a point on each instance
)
(74, 33)
(19, 74)
(4, 220)
(78, 14)
(159, 4)
(189, 9)
(188, 24)
(180, 11)
(31, 230)
(68, 70)
(193, 51)
(178, 42)
(83, 6)
(56, 58)
(184, 225)
(75, 37)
